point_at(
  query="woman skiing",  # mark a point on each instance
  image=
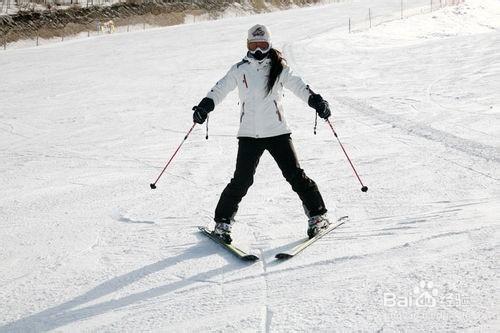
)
(260, 78)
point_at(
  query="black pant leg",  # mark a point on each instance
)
(249, 152)
(282, 150)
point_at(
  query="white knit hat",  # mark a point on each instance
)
(259, 33)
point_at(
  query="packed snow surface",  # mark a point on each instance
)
(86, 125)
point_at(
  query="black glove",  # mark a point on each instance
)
(320, 105)
(201, 110)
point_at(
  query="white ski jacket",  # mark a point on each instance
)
(261, 114)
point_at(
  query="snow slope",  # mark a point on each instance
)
(86, 125)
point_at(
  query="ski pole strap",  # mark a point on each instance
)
(206, 136)
(315, 123)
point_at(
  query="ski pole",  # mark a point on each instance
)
(364, 188)
(153, 185)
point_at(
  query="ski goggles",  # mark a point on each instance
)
(253, 46)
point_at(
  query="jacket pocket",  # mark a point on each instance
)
(245, 80)
(280, 118)
(242, 112)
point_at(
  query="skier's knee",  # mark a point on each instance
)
(300, 182)
(241, 185)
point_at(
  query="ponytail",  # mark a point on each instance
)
(277, 64)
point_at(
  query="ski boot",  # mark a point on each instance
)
(223, 230)
(316, 224)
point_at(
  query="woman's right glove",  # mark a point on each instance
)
(320, 105)
(201, 110)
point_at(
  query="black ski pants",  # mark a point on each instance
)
(281, 149)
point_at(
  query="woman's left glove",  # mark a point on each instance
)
(201, 110)
(320, 105)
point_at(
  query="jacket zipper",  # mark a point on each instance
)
(277, 110)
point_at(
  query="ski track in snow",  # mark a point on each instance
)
(86, 245)
(470, 147)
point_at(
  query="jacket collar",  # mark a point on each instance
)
(257, 63)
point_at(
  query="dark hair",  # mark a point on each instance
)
(277, 64)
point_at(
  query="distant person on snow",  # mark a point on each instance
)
(260, 78)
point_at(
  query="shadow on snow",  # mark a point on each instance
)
(66, 313)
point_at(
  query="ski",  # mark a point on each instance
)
(302, 246)
(231, 248)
